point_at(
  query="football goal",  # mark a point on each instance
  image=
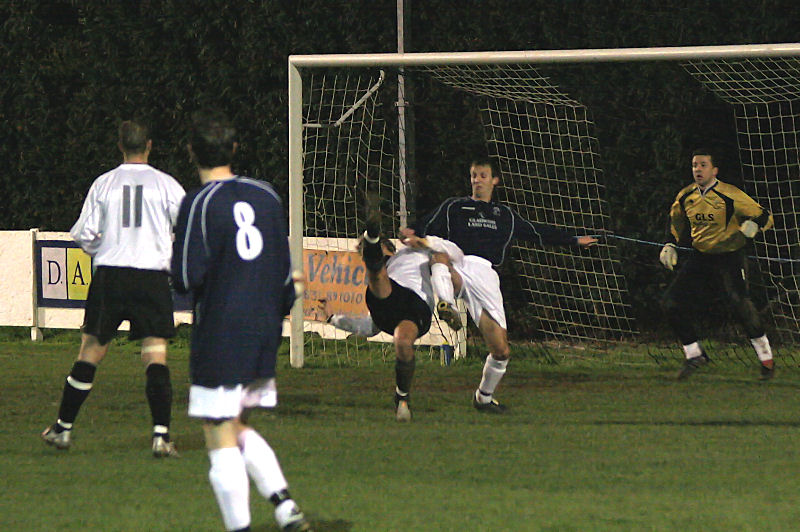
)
(344, 163)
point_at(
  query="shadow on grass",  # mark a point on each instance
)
(335, 525)
(704, 423)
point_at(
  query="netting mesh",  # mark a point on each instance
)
(348, 166)
(765, 94)
(348, 172)
(551, 174)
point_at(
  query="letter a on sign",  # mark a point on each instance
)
(79, 273)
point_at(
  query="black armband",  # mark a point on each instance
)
(763, 219)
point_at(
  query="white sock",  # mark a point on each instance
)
(493, 371)
(228, 478)
(692, 350)
(261, 462)
(442, 282)
(763, 350)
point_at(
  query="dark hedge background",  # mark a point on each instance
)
(72, 70)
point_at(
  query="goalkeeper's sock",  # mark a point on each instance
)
(493, 371)
(763, 350)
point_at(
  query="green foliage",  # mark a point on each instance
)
(590, 444)
(73, 70)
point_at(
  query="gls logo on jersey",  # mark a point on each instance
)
(703, 217)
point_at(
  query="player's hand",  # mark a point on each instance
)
(749, 228)
(411, 240)
(586, 241)
(669, 256)
(323, 309)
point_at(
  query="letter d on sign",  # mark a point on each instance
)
(54, 267)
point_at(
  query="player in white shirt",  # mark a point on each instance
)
(400, 299)
(126, 226)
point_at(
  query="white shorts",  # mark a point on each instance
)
(228, 402)
(481, 289)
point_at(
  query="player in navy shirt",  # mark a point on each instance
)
(485, 231)
(231, 251)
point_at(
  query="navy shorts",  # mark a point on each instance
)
(142, 297)
(402, 304)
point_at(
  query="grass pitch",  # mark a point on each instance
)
(586, 445)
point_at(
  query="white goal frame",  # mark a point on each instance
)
(298, 63)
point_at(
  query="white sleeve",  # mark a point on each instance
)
(441, 245)
(86, 231)
(175, 194)
(361, 325)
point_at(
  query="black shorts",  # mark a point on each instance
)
(402, 304)
(706, 276)
(142, 297)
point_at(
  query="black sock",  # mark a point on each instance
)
(279, 496)
(374, 258)
(159, 394)
(404, 374)
(76, 390)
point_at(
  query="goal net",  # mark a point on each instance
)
(552, 173)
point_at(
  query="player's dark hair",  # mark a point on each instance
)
(704, 153)
(212, 138)
(133, 136)
(487, 161)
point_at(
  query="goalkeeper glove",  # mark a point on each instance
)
(749, 228)
(669, 256)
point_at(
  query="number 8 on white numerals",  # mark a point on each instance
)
(248, 238)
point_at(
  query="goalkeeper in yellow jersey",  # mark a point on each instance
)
(717, 219)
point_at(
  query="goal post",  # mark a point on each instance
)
(577, 161)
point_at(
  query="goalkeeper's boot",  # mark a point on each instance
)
(162, 448)
(690, 365)
(492, 407)
(767, 371)
(449, 315)
(57, 436)
(402, 410)
(290, 518)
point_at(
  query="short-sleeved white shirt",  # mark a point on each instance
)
(128, 216)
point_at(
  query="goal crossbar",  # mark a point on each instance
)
(594, 55)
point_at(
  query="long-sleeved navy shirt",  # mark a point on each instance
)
(486, 229)
(231, 251)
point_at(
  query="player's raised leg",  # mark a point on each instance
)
(443, 278)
